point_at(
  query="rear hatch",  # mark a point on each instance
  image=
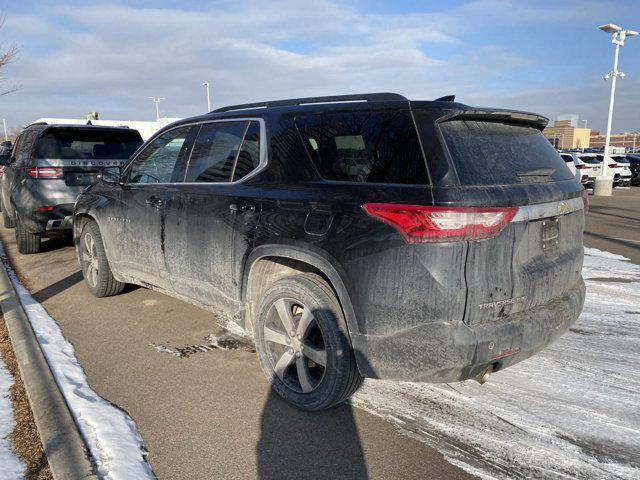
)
(537, 256)
(592, 166)
(76, 154)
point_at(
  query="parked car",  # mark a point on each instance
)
(584, 167)
(619, 166)
(351, 236)
(49, 166)
(634, 167)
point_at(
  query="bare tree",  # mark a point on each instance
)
(7, 55)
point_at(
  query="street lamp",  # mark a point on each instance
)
(585, 123)
(604, 183)
(4, 124)
(157, 101)
(206, 85)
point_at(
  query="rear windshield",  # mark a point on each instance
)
(365, 147)
(88, 144)
(496, 153)
(589, 159)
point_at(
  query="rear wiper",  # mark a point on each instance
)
(540, 172)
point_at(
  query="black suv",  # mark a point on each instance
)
(48, 167)
(353, 236)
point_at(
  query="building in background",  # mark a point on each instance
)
(629, 141)
(146, 128)
(564, 134)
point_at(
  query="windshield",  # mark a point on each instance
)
(88, 144)
(496, 153)
(589, 159)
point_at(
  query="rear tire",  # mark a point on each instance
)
(28, 242)
(95, 266)
(7, 221)
(293, 360)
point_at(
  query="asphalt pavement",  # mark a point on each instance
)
(211, 414)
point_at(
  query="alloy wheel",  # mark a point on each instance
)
(295, 345)
(90, 259)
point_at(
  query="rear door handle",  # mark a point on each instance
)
(242, 207)
(154, 201)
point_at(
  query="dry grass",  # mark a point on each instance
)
(24, 437)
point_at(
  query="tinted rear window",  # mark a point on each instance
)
(496, 153)
(588, 159)
(88, 144)
(365, 147)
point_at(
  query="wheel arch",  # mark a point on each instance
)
(268, 263)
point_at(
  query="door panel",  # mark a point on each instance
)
(143, 200)
(210, 221)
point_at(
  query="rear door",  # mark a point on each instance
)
(537, 257)
(212, 216)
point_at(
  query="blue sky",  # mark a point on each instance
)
(547, 57)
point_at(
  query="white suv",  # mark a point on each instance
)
(585, 167)
(619, 165)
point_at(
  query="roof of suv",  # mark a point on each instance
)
(380, 99)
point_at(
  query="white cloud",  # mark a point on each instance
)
(111, 57)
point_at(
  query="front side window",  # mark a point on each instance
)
(157, 161)
(224, 151)
(368, 147)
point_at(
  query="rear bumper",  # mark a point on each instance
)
(47, 223)
(448, 352)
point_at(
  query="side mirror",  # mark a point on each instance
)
(110, 175)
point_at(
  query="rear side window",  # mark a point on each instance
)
(567, 158)
(88, 144)
(365, 147)
(224, 151)
(496, 153)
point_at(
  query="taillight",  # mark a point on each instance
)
(585, 201)
(614, 165)
(582, 167)
(419, 224)
(45, 208)
(1, 168)
(44, 173)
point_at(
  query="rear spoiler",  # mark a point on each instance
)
(533, 119)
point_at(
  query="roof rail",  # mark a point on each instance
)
(367, 97)
(446, 98)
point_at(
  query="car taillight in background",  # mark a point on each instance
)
(420, 224)
(614, 165)
(1, 169)
(583, 167)
(45, 173)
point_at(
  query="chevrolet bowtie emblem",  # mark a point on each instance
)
(563, 207)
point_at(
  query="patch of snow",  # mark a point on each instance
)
(111, 435)
(572, 411)
(11, 467)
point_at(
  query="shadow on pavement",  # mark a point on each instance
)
(298, 444)
(58, 287)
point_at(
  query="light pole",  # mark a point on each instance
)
(206, 85)
(585, 124)
(4, 124)
(604, 183)
(157, 101)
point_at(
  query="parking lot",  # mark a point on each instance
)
(212, 413)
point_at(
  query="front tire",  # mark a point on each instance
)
(7, 221)
(303, 345)
(95, 266)
(28, 242)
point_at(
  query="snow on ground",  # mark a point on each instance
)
(572, 411)
(11, 467)
(115, 444)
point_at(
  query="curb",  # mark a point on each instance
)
(63, 445)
